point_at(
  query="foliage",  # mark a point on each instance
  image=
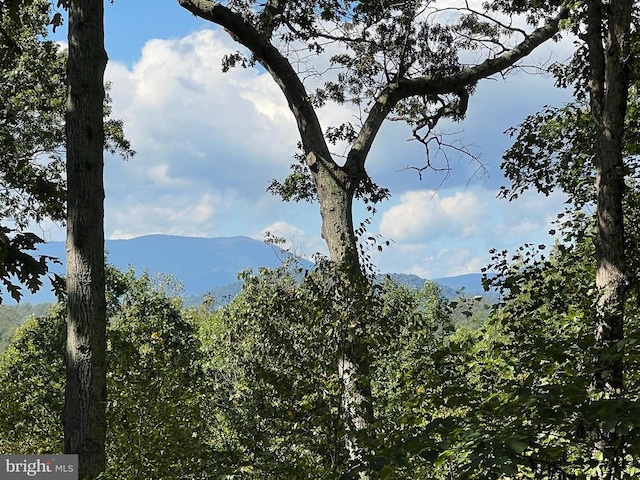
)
(32, 94)
(526, 406)
(154, 421)
(276, 391)
(385, 60)
(153, 412)
(381, 58)
(567, 333)
(12, 316)
(31, 387)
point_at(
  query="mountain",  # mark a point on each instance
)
(209, 265)
(201, 264)
(469, 284)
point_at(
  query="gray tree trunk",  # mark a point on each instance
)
(609, 49)
(335, 187)
(608, 41)
(85, 392)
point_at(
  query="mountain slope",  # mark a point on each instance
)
(209, 264)
(199, 263)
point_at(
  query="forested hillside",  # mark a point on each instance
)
(12, 316)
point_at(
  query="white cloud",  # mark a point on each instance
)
(176, 101)
(427, 215)
(207, 142)
(170, 215)
(437, 235)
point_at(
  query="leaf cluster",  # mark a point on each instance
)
(154, 415)
(19, 268)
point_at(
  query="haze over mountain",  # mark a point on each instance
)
(208, 264)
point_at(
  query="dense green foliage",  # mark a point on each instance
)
(528, 378)
(153, 406)
(274, 355)
(12, 316)
(252, 390)
(31, 380)
(32, 93)
(249, 390)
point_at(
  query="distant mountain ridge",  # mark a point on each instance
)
(209, 265)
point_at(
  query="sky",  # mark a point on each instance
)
(208, 144)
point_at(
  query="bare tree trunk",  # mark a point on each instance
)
(336, 189)
(608, 41)
(85, 392)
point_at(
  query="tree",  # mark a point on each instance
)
(395, 59)
(274, 386)
(32, 386)
(32, 137)
(609, 53)
(155, 419)
(527, 375)
(31, 129)
(155, 415)
(594, 160)
(86, 390)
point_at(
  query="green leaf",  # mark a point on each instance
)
(516, 444)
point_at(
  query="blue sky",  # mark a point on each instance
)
(208, 144)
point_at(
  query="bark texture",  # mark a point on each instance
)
(85, 392)
(608, 40)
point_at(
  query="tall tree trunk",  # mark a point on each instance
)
(85, 392)
(336, 187)
(608, 41)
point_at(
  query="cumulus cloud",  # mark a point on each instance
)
(179, 106)
(427, 215)
(451, 233)
(207, 142)
(182, 216)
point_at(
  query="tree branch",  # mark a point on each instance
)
(394, 92)
(431, 85)
(275, 63)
